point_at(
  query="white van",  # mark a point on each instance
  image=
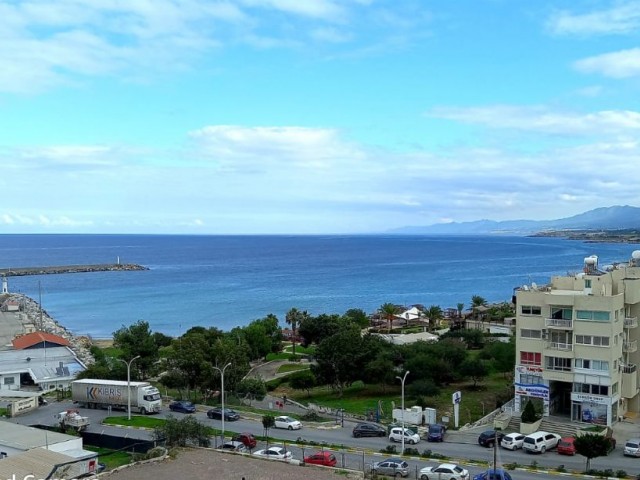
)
(540, 442)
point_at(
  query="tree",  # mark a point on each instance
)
(423, 388)
(434, 313)
(529, 414)
(474, 369)
(294, 318)
(358, 317)
(476, 302)
(183, 432)
(388, 311)
(268, 421)
(460, 307)
(137, 340)
(303, 380)
(591, 446)
(380, 371)
(252, 388)
(316, 329)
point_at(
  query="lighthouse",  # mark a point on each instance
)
(5, 285)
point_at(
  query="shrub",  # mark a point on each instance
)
(529, 414)
(389, 449)
(412, 451)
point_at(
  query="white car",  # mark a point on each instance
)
(512, 441)
(450, 471)
(540, 442)
(288, 423)
(274, 452)
(409, 437)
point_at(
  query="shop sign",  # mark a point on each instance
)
(586, 398)
(536, 390)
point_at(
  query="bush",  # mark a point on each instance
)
(389, 449)
(311, 416)
(529, 414)
(412, 451)
(561, 469)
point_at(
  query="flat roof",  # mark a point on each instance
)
(41, 363)
(22, 437)
(121, 383)
(38, 462)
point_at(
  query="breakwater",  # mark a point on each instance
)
(105, 267)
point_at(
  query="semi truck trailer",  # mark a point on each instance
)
(92, 393)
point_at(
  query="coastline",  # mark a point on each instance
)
(80, 344)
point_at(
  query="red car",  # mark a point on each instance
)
(566, 446)
(327, 459)
(247, 439)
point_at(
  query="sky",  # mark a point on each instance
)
(314, 116)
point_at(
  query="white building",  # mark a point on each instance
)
(15, 438)
(576, 343)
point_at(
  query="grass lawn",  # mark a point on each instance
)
(111, 458)
(136, 421)
(292, 368)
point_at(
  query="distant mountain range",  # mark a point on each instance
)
(618, 217)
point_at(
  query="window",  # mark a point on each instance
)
(592, 340)
(557, 363)
(561, 313)
(601, 365)
(531, 310)
(530, 358)
(592, 315)
(614, 388)
(591, 389)
(9, 380)
(530, 379)
(587, 283)
(527, 333)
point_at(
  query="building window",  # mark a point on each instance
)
(530, 358)
(557, 363)
(592, 340)
(587, 283)
(561, 313)
(9, 380)
(601, 365)
(591, 389)
(592, 315)
(527, 379)
(527, 333)
(531, 310)
(614, 388)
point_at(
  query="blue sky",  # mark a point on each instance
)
(313, 116)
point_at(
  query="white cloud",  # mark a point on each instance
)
(543, 119)
(622, 64)
(623, 18)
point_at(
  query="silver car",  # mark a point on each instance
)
(632, 447)
(394, 467)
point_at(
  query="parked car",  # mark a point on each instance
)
(488, 438)
(394, 467)
(324, 458)
(632, 447)
(234, 446)
(540, 442)
(288, 423)
(229, 414)
(493, 474)
(436, 433)
(182, 406)
(566, 446)
(368, 430)
(396, 434)
(444, 471)
(512, 441)
(247, 439)
(280, 453)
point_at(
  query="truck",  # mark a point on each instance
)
(93, 393)
(72, 419)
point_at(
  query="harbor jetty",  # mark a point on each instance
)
(106, 267)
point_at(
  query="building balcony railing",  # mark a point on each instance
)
(559, 346)
(630, 322)
(631, 368)
(558, 323)
(559, 368)
(630, 347)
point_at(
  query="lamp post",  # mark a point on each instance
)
(128, 364)
(402, 379)
(221, 370)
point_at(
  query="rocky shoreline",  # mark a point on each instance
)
(106, 267)
(594, 236)
(79, 344)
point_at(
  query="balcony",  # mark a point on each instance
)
(629, 381)
(630, 347)
(566, 347)
(558, 323)
(631, 322)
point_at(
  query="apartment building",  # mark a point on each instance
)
(577, 343)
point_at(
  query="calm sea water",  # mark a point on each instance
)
(225, 281)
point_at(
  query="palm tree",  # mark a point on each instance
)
(477, 301)
(389, 312)
(294, 318)
(434, 313)
(460, 308)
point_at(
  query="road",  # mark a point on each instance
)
(360, 453)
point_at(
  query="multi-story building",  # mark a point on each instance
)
(577, 343)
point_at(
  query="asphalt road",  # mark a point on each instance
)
(360, 453)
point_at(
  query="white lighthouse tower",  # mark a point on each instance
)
(5, 285)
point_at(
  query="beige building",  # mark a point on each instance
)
(577, 343)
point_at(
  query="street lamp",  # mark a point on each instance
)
(222, 393)
(402, 379)
(128, 364)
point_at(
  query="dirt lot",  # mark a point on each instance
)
(201, 464)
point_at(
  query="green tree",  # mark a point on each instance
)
(388, 311)
(434, 313)
(529, 414)
(268, 422)
(592, 446)
(183, 432)
(137, 340)
(357, 316)
(252, 388)
(294, 318)
(474, 369)
(381, 371)
(502, 355)
(302, 380)
(423, 388)
(460, 307)
(315, 329)
(174, 380)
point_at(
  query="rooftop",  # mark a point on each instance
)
(22, 437)
(34, 338)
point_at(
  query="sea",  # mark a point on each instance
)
(228, 281)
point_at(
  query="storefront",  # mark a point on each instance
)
(595, 409)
